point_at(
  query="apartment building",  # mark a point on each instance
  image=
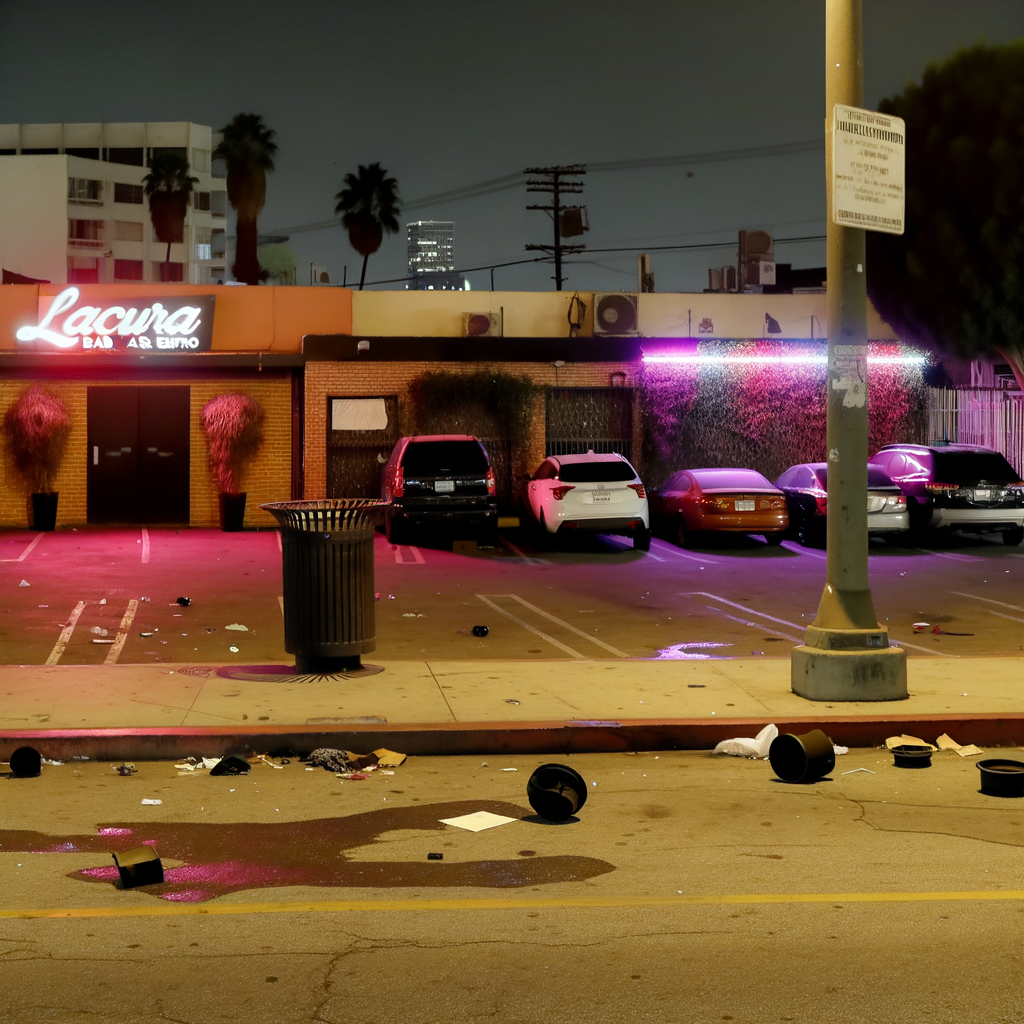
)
(73, 208)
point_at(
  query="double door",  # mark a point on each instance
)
(138, 455)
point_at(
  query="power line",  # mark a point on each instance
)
(511, 181)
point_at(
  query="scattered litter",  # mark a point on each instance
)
(969, 751)
(98, 630)
(24, 583)
(946, 632)
(355, 776)
(331, 759)
(233, 649)
(853, 771)
(184, 601)
(391, 597)
(946, 742)
(802, 759)
(696, 686)
(143, 598)
(484, 764)
(46, 760)
(556, 791)
(44, 606)
(232, 764)
(921, 626)
(376, 596)
(509, 700)
(141, 866)
(97, 641)
(757, 652)
(25, 762)
(745, 747)
(911, 755)
(907, 741)
(103, 600)
(405, 615)
(480, 631)
(510, 769)
(390, 758)
(266, 760)
(126, 768)
(477, 821)
(435, 856)
(145, 634)
(836, 749)
(238, 627)
(147, 800)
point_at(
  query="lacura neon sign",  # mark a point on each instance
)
(147, 325)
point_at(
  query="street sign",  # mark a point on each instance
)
(868, 159)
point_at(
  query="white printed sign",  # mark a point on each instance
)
(868, 169)
(849, 374)
(358, 414)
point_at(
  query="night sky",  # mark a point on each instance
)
(447, 94)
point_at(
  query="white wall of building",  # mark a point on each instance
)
(33, 216)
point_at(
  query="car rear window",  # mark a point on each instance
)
(973, 467)
(598, 472)
(877, 477)
(737, 478)
(441, 458)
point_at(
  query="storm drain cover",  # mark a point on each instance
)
(287, 674)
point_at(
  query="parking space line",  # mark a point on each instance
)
(417, 555)
(799, 549)
(519, 622)
(988, 600)
(669, 549)
(951, 555)
(26, 552)
(519, 554)
(145, 546)
(65, 636)
(566, 625)
(126, 622)
(1002, 615)
(754, 625)
(796, 625)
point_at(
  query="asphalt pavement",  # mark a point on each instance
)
(688, 889)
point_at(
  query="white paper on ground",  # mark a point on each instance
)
(969, 751)
(477, 821)
(238, 627)
(946, 742)
(743, 746)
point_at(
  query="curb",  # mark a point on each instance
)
(541, 738)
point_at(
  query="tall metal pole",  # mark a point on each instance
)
(558, 235)
(846, 653)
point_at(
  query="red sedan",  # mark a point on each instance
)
(720, 500)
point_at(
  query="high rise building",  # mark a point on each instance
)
(431, 248)
(73, 208)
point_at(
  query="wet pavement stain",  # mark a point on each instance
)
(226, 858)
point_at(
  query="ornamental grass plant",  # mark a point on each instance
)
(233, 427)
(36, 430)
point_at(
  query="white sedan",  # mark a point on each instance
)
(598, 493)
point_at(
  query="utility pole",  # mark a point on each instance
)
(556, 186)
(846, 653)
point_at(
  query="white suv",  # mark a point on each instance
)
(598, 493)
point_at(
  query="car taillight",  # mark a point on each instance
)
(821, 504)
(398, 482)
(899, 503)
(492, 487)
(558, 493)
(778, 503)
(941, 488)
(716, 504)
(639, 488)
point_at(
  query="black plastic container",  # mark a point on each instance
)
(26, 763)
(556, 791)
(804, 758)
(1001, 777)
(44, 511)
(232, 512)
(912, 755)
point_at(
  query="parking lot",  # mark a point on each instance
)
(594, 598)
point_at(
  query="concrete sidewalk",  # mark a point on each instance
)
(449, 706)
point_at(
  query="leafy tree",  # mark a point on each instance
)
(369, 205)
(956, 278)
(169, 186)
(248, 149)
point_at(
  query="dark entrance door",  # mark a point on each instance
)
(138, 455)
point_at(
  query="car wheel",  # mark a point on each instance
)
(641, 540)
(682, 534)
(1013, 537)
(774, 539)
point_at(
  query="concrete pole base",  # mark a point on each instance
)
(849, 675)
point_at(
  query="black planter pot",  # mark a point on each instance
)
(912, 755)
(805, 758)
(232, 512)
(44, 511)
(999, 777)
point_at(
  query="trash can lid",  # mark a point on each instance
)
(327, 513)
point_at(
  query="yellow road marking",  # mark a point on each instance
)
(528, 903)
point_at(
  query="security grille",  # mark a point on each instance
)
(584, 419)
(355, 457)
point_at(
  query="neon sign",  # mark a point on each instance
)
(169, 324)
(777, 359)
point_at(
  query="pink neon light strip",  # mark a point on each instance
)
(803, 359)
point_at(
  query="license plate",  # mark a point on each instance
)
(982, 495)
(444, 486)
(600, 496)
(744, 506)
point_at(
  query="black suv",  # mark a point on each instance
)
(956, 487)
(443, 482)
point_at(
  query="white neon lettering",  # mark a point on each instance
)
(60, 304)
(182, 321)
(140, 323)
(80, 322)
(100, 325)
(159, 315)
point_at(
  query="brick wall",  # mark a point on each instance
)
(267, 479)
(352, 379)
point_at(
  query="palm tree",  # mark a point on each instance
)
(369, 205)
(169, 186)
(247, 148)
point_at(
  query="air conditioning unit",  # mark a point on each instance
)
(481, 325)
(319, 275)
(615, 314)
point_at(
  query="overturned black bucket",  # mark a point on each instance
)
(556, 791)
(26, 763)
(912, 755)
(805, 758)
(1001, 777)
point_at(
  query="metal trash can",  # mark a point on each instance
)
(327, 566)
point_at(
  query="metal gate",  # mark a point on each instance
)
(356, 457)
(584, 419)
(992, 417)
